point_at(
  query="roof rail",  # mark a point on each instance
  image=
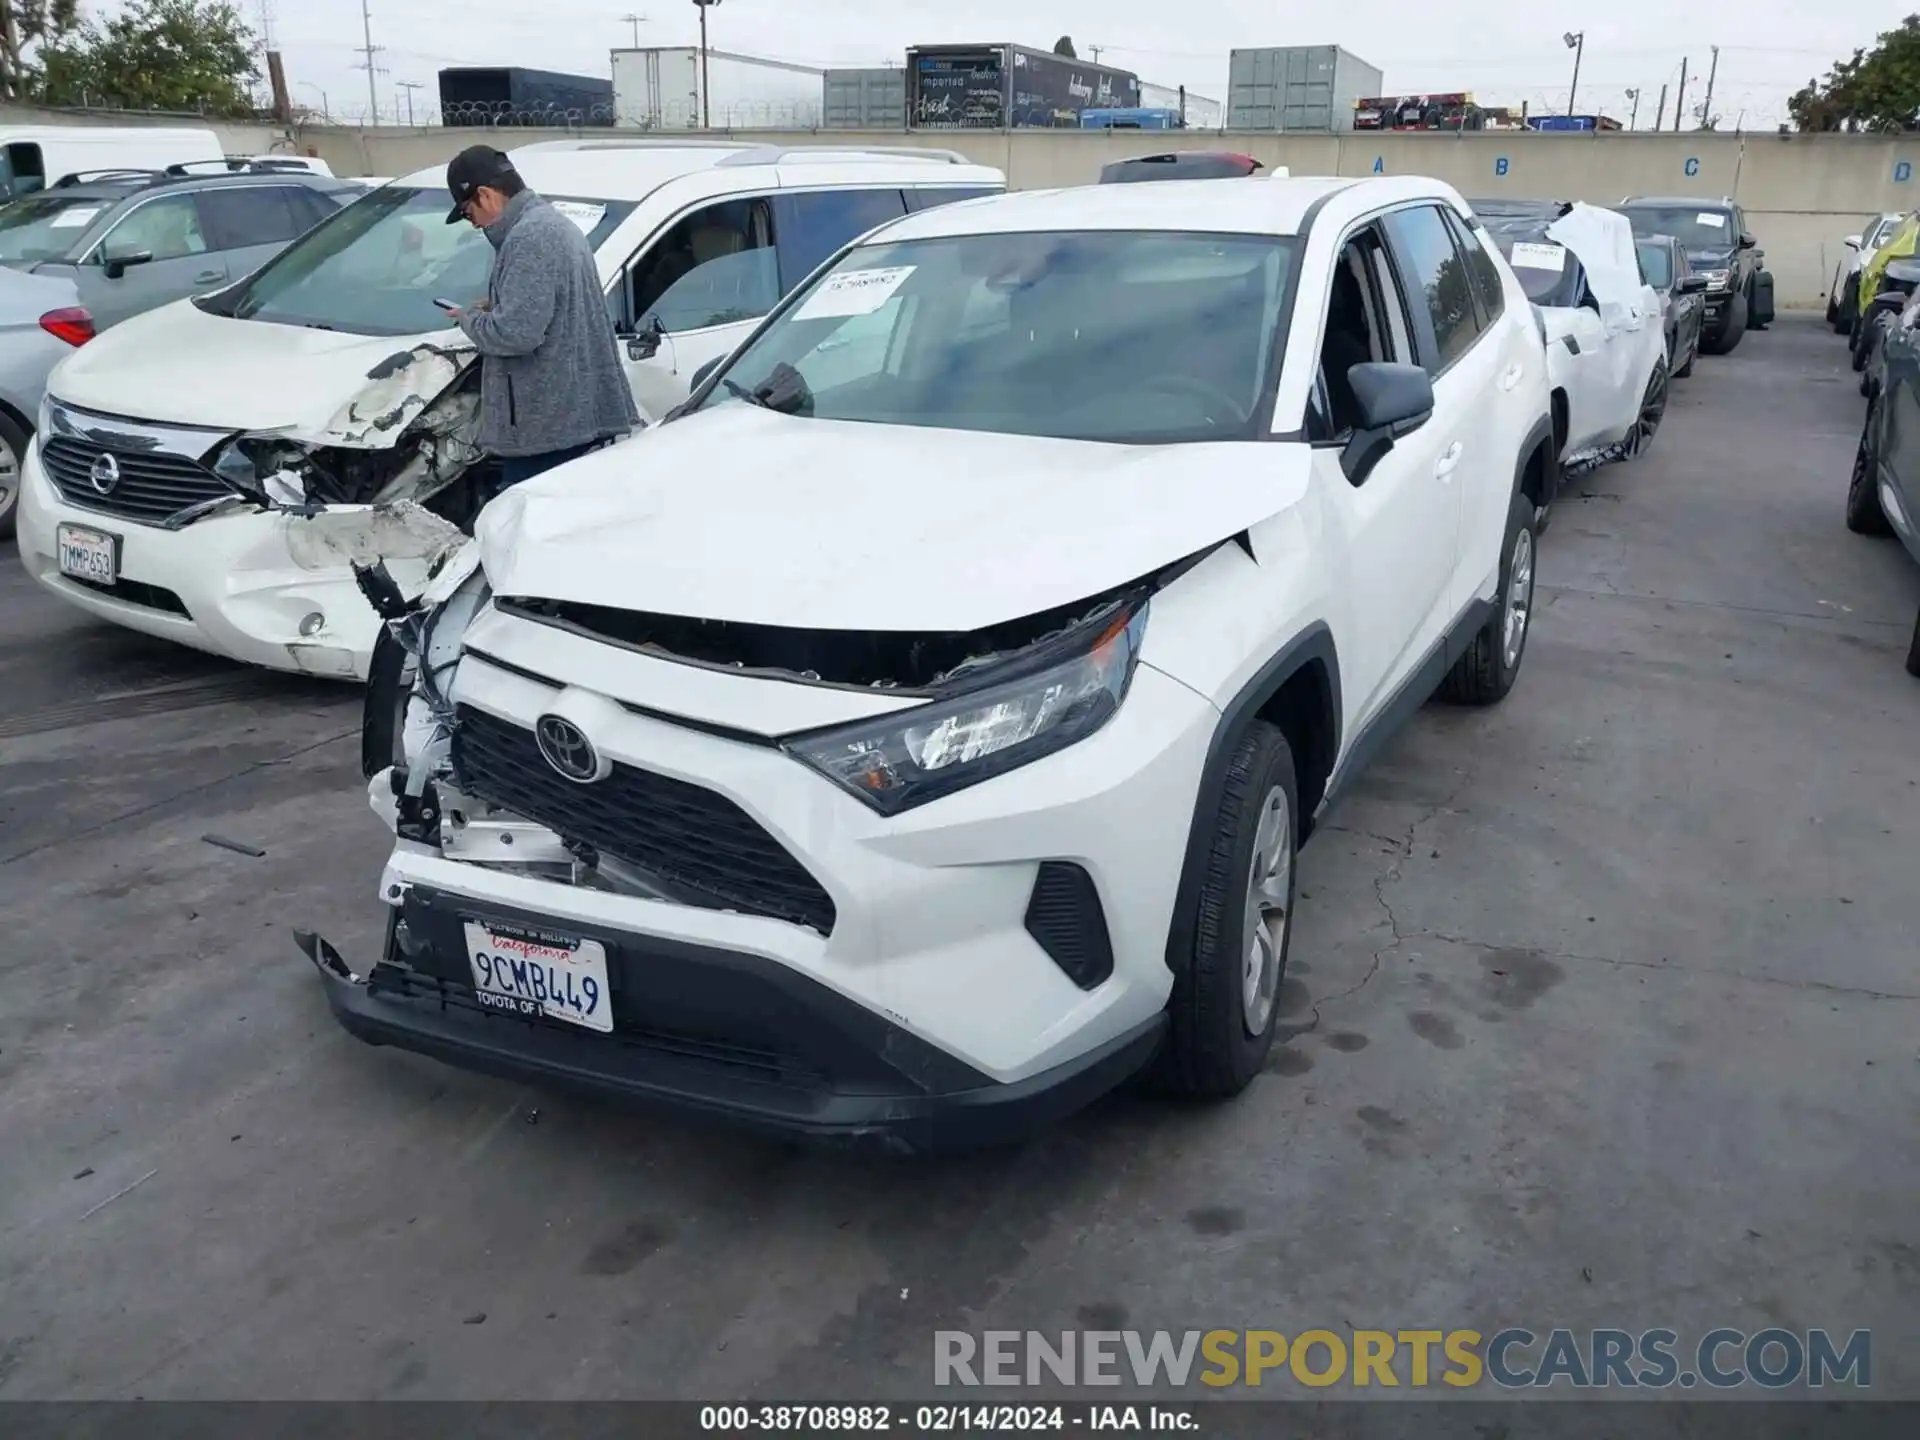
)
(774, 154)
(637, 142)
(116, 172)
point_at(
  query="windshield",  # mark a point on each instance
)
(44, 227)
(1545, 269)
(377, 266)
(1121, 336)
(1656, 264)
(1693, 227)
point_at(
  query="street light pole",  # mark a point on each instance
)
(1706, 106)
(706, 95)
(1634, 119)
(1576, 42)
(326, 111)
(636, 21)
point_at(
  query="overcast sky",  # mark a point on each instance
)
(1502, 53)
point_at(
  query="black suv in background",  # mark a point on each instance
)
(1720, 247)
(1180, 165)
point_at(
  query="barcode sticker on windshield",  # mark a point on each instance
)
(853, 292)
(585, 216)
(1707, 217)
(73, 219)
(1540, 257)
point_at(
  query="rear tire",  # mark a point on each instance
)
(1864, 515)
(1485, 674)
(1693, 353)
(1222, 1013)
(1913, 650)
(13, 457)
(1653, 408)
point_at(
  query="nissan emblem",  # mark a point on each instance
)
(105, 474)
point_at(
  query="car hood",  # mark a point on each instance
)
(1710, 259)
(743, 515)
(179, 365)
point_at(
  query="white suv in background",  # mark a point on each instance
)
(207, 472)
(939, 757)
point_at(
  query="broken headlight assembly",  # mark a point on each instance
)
(906, 759)
(290, 473)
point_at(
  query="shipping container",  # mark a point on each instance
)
(1297, 87)
(996, 87)
(865, 99)
(1200, 112)
(512, 95)
(662, 89)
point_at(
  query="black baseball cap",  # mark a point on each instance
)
(473, 167)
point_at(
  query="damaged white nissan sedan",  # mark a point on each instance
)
(912, 738)
(210, 472)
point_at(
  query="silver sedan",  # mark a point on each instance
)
(41, 323)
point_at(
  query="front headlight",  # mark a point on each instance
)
(249, 462)
(1718, 279)
(904, 760)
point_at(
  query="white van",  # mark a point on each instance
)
(33, 157)
(207, 471)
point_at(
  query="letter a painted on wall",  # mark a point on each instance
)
(1379, 164)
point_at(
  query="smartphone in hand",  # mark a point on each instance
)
(448, 306)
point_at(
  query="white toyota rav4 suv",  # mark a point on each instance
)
(912, 737)
(206, 472)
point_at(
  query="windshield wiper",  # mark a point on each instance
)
(785, 391)
(740, 392)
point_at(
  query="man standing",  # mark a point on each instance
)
(551, 383)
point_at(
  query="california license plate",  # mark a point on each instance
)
(534, 972)
(88, 554)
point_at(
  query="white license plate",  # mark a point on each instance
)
(88, 554)
(533, 972)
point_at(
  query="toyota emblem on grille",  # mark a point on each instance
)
(567, 749)
(105, 474)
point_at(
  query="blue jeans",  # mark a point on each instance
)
(516, 468)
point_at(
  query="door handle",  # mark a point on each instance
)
(1443, 467)
(207, 277)
(1512, 377)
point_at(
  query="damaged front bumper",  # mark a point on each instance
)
(722, 1034)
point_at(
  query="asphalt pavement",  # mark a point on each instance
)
(1604, 1011)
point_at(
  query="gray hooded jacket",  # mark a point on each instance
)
(551, 377)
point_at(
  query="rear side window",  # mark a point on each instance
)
(928, 199)
(241, 216)
(1434, 267)
(809, 229)
(310, 207)
(1488, 292)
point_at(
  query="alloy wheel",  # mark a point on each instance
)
(1653, 407)
(1517, 608)
(1269, 896)
(9, 479)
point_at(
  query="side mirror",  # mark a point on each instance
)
(1691, 284)
(646, 344)
(700, 375)
(117, 261)
(1852, 242)
(1747, 242)
(1394, 400)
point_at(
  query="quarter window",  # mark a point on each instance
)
(1485, 275)
(1438, 271)
(715, 267)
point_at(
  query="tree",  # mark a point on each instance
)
(1064, 46)
(24, 23)
(177, 55)
(1874, 90)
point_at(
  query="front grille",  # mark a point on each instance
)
(692, 838)
(152, 489)
(135, 592)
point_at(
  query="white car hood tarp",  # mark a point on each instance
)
(1602, 241)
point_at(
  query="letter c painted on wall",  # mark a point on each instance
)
(1693, 165)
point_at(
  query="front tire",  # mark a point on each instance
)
(1731, 329)
(1864, 515)
(13, 454)
(1913, 650)
(1485, 674)
(1653, 408)
(1693, 354)
(1226, 993)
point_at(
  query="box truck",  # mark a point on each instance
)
(672, 87)
(997, 87)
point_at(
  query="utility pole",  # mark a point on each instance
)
(1095, 50)
(1660, 116)
(1680, 99)
(1706, 106)
(636, 21)
(1633, 119)
(369, 50)
(706, 94)
(1576, 42)
(410, 86)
